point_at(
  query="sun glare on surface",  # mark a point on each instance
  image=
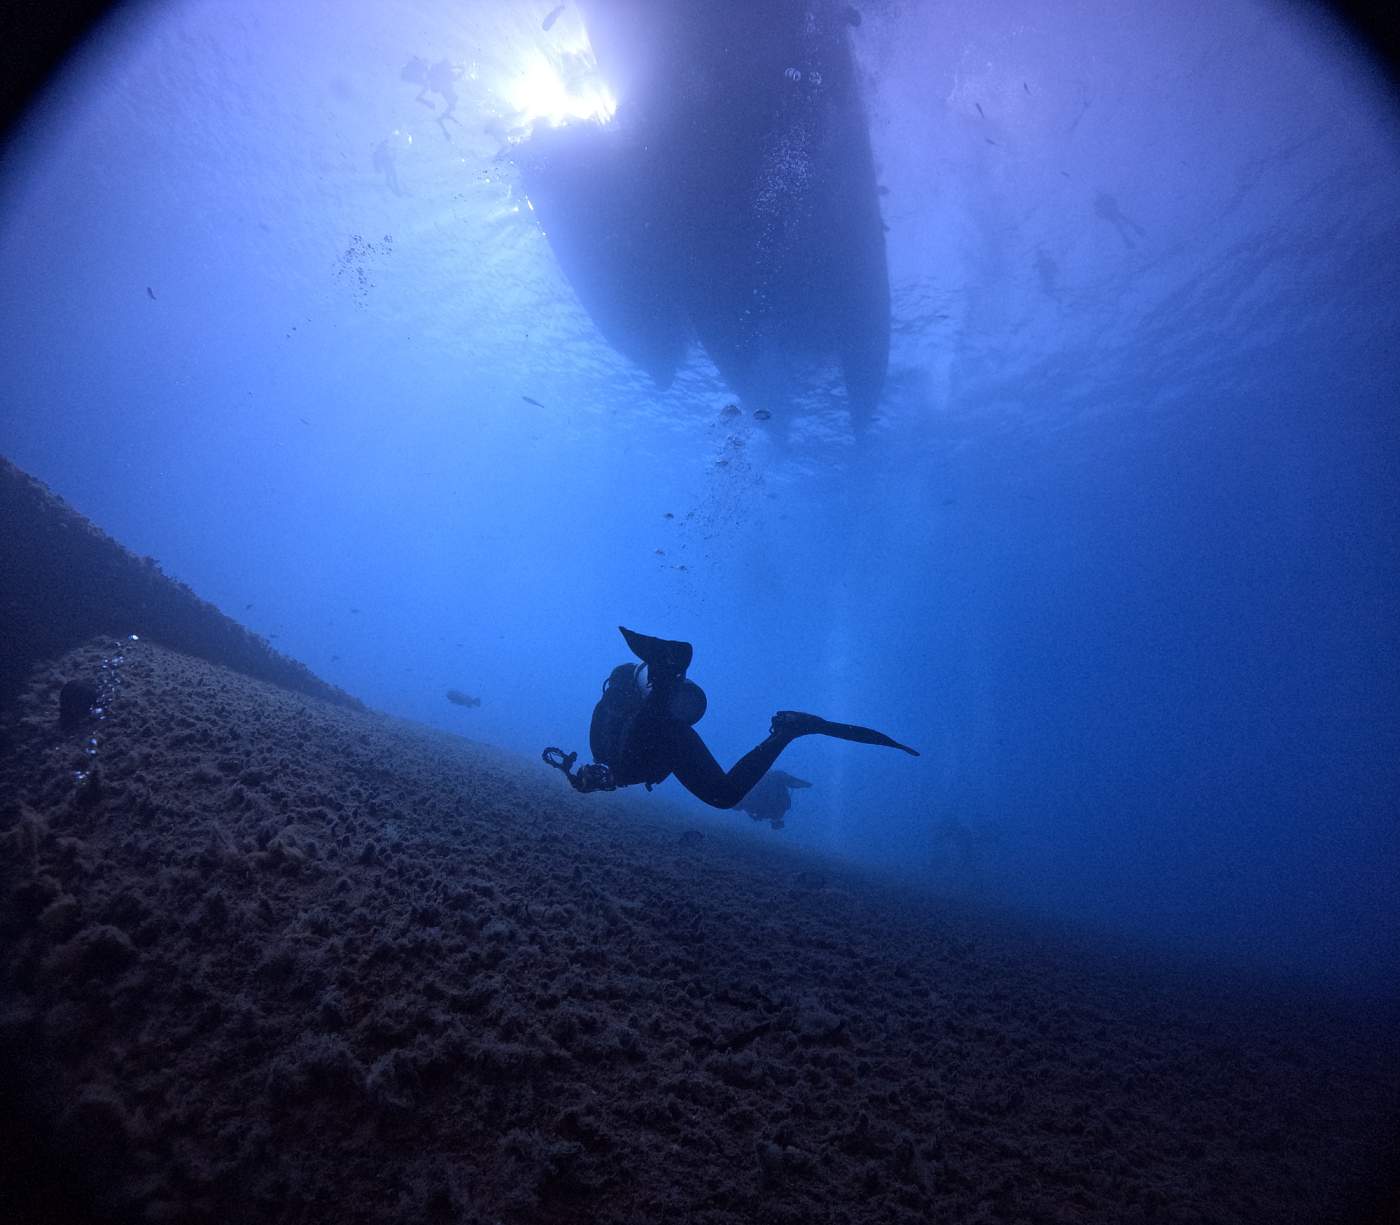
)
(561, 85)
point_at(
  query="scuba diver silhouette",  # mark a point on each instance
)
(772, 797)
(643, 731)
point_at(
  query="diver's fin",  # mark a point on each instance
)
(814, 725)
(867, 735)
(662, 656)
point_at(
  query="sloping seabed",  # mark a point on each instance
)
(267, 958)
(64, 580)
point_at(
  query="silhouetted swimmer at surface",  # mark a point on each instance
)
(643, 731)
(1106, 207)
(385, 164)
(440, 79)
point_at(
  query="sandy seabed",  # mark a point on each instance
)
(270, 959)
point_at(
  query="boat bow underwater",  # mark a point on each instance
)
(731, 198)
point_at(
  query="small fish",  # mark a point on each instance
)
(532, 400)
(151, 293)
(660, 552)
(1026, 87)
(553, 16)
(354, 610)
(335, 659)
(458, 698)
(990, 141)
(980, 111)
(668, 515)
(246, 607)
(729, 410)
(761, 414)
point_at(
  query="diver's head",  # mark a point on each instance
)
(687, 703)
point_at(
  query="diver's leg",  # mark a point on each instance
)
(665, 658)
(699, 773)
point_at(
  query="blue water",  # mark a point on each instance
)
(1120, 552)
